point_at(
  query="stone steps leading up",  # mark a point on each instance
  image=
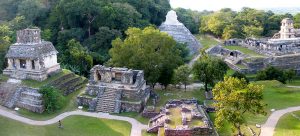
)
(107, 101)
(69, 83)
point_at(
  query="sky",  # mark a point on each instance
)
(233, 4)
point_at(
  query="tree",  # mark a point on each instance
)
(149, 50)
(100, 43)
(240, 75)
(235, 98)
(252, 31)
(5, 41)
(297, 21)
(191, 19)
(52, 98)
(77, 56)
(72, 15)
(31, 10)
(208, 70)
(182, 75)
(271, 73)
(289, 74)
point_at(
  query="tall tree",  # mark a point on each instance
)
(235, 98)
(149, 50)
(77, 56)
(5, 41)
(182, 75)
(297, 21)
(208, 70)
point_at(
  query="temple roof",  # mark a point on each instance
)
(31, 50)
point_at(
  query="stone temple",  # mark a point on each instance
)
(281, 51)
(180, 33)
(31, 57)
(112, 89)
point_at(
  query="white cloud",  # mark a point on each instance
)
(234, 4)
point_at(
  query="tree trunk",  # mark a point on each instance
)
(89, 29)
(205, 85)
(239, 130)
(184, 87)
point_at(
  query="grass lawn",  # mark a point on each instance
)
(175, 117)
(135, 115)
(244, 50)
(144, 133)
(73, 126)
(288, 125)
(69, 105)
(37, 84)
(206, 41)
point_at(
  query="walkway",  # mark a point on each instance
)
(269, 127)
(136, 127)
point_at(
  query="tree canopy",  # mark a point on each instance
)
(149, 49)
(235, 98)
(209, 70)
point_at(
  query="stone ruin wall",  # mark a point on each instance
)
(29, 36)
(197, 131)
(282, 62)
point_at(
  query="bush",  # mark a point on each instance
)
(240, 75)
(53, 100)
(272, 73)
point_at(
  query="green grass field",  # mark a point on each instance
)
(244, 50)
(206, 41)
(288, 125)
(73, 126)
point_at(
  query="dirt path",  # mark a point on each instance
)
(269, 127)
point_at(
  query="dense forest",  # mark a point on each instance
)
(83, 30)
(79, 29)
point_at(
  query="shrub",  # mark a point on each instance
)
(53, 100)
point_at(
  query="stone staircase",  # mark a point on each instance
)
(69, 83)
(109, 101)
(31, 100)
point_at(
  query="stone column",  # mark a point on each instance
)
(28, 64)
(17, 61)
(37, 65)
(10, 63)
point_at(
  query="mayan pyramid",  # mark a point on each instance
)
(180, 33)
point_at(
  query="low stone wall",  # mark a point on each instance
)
(197, 131)
(31, 100)
(131, 106)
(177, 132)
(87, 101)
(149, 114)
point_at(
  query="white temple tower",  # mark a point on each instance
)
(287, 29)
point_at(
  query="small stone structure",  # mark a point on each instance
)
(281, 51)
(115, 90)
(15, 95)
(30, 57)
(180, 33)
(194, 120)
